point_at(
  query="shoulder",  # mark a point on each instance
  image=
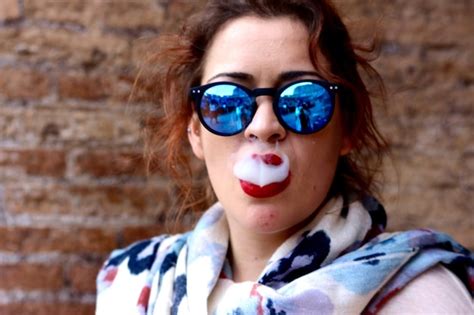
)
(436, 291)
(125, 278)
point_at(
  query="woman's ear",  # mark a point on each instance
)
(194, 137)
(346, 146)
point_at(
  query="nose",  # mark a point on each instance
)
(265, 125)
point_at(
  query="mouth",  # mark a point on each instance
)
(263, 175)
(266, 191)
(269, 159)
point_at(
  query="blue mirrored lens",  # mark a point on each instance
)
(305, 107)
(226, 109)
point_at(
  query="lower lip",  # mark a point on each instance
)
(266, 191)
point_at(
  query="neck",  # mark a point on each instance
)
(249, 253)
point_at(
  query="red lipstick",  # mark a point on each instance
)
(266, 191)
(269, 159)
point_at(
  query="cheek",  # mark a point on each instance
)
(214, 161)
(319, 175)
(218, 159)
(218, 177)
(318, 163)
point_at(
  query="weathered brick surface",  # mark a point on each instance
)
(38, 308)
(57, 239)
(9, 10)
(69, 126)
(81, 277)
(90, 202)
(105, 163)
(23, 83)
(72, 179)
(61, 11)
(133, 234)
(141, 15)
(41, 162)
(31, 277)
(91, 88)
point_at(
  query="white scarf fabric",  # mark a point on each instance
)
(324, 268)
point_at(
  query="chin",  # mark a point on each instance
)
(266, 218)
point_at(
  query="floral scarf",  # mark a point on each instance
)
(333, 265)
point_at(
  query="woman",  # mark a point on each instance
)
(293, 229)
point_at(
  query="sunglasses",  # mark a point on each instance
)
(226, 108)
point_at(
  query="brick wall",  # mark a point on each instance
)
(72, 184)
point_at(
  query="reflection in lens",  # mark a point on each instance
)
(226, 108)
(305, 107)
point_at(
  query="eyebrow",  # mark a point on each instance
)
(234, 75)
(282, 77)
(291, 75)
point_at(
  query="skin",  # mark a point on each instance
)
(265, 52)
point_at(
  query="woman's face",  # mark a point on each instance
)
(261, 53)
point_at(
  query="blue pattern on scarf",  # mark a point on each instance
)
(135, 264)
(305, 258)
(179, 293)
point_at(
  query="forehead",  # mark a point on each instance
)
(262, 47)
(250, 25)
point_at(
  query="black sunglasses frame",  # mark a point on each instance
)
(196, 93)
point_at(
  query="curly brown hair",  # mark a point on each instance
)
(176, 65)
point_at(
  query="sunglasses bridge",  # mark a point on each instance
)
(263, 92)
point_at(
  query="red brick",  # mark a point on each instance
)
(57, 126)
(70, 11)
(38, 308)
(64, 240)
(31, 277)
(141, 89)
(88, 200)
(85, 87)
(81, 277)
(9, 10)
(38, 162)
(140, 14)
(180, 11)
(109, 164)
(123, 87)
(133, 234)
(8, 37)
(23, 83)
(116, 199)
(114, 86)
(63, 48)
